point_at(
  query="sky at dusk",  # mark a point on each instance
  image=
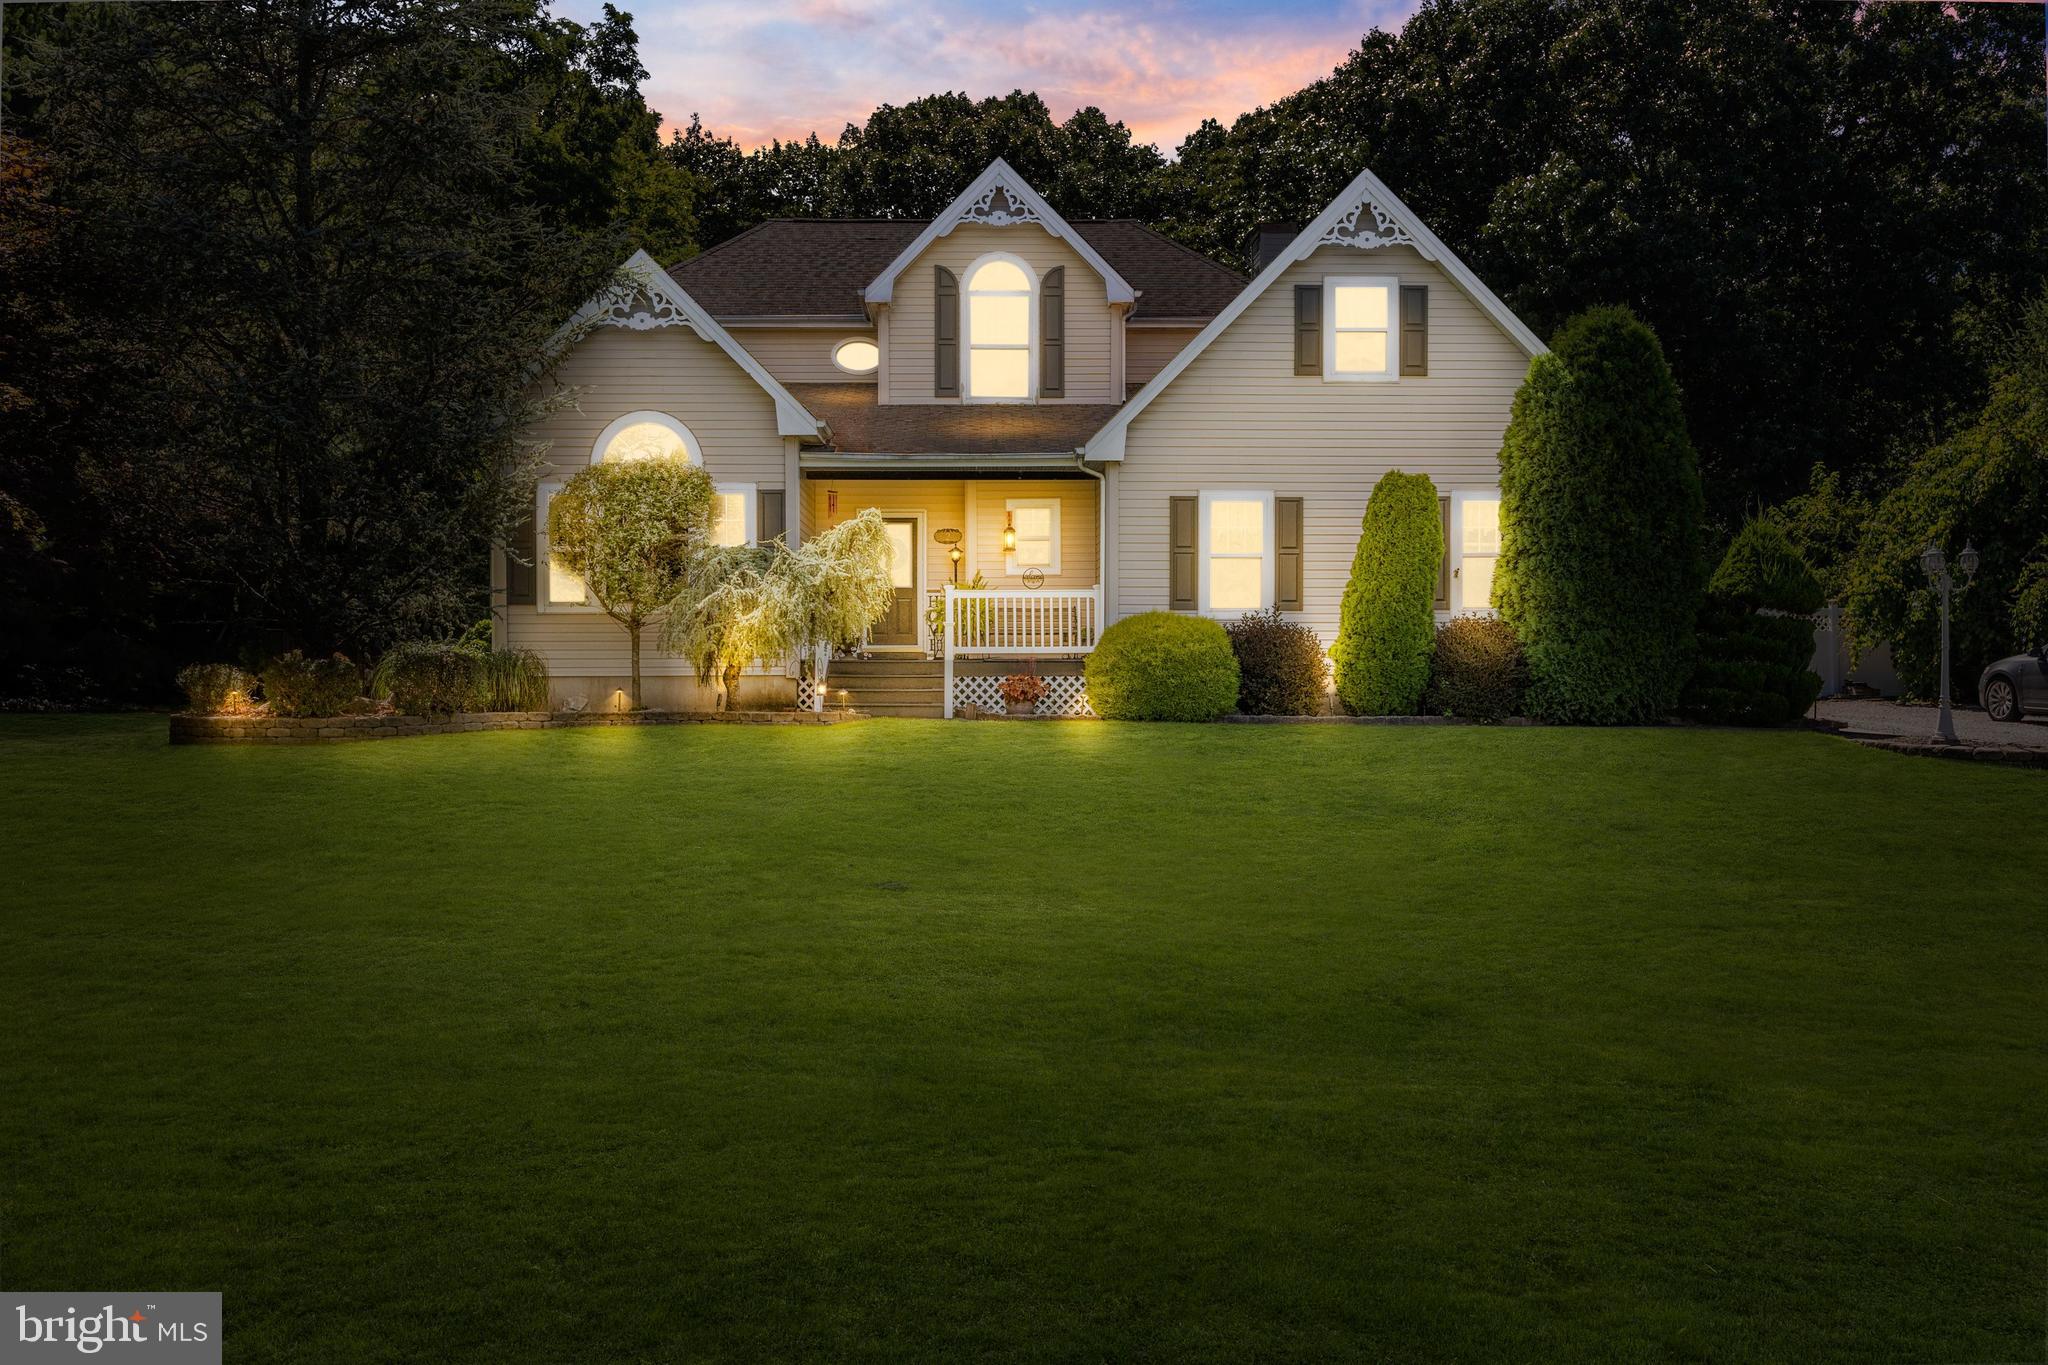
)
(761, 69)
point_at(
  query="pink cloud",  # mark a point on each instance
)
(758, 70)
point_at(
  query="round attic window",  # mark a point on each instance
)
(856, 355)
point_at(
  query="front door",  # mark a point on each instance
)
(899, 627)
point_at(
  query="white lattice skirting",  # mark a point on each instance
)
(807, 695)
(1068, 697)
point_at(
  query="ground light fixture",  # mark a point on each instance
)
(1935, 565)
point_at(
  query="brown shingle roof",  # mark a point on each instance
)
(859, 424)
(817, 267)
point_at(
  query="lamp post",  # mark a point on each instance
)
(1935, 564)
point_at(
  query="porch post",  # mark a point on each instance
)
(946, 650)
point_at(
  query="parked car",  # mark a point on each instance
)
(2014, 688)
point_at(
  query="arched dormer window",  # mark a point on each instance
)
(1001, 361)
(647, 436)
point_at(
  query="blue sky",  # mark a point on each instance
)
(757, 69)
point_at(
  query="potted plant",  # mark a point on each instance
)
(1022, 692)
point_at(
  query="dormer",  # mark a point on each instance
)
(999, 300)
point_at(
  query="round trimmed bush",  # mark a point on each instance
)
(1280, 665)
(1756, 634)
(1477, 672)
(1600, 511)
(1386, 628)
(1159, 665)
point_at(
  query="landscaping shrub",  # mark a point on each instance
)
(1477, 671)
(509, 680)
(1753, 667)
(295, 685)
(429, 678)
(1600, 573)
(1280, 668)
(1387, 625)
(1162, 666)
(216, 689)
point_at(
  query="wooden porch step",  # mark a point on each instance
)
(885, 668)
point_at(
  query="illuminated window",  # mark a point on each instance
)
(732, 514)
(999, 360)
(1478, 549)
(1237, 551)
(561, 589)
(646, 436)
(1037, 522)
(857, 355)
(1359, 340)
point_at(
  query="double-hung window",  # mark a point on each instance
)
(732, 514)
(1236, 556)
(561, 589)
(999, 309)
(1477, 536)
(1360, 338)
(1037, 524)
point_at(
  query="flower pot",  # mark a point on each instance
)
(1020, 708)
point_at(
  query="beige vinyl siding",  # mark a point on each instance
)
(909, 354)
(1147, 349)
(803, 355)
(667, 369)
(1239, 418)
(1078, 535)
(939, 499)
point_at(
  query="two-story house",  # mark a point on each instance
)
(1088, 418)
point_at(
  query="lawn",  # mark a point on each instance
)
(914, 1040)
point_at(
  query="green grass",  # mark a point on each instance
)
(914, 1041)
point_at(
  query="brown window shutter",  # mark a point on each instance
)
(1052, 334)
(1287, 554)
(1308, 329)
(769, 523)
(1443, 569)
(1181, 533)
(1415, 329)
(521, 579)
(946, 335)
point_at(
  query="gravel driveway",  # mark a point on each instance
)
(1917, 722)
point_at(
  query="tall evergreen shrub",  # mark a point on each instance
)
(1756, 634)
(1600, 572)
(1386, 627)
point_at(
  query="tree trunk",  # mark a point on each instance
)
(730, 680)
(633, 631)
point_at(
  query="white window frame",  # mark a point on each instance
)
(1012, 506)
(750, 500)
(844, 342)
(1458, 500)
(1202, 555)
(1331, 374)
(1030, 347)
(602, 445)
(543, 575)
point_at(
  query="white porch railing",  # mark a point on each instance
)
(1018, 623)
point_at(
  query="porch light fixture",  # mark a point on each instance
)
(1009, 532)
(949, 536)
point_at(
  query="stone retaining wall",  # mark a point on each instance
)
(187, 729)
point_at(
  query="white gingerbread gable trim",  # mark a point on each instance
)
(1366, 216)
(646, 297)
(999, 198)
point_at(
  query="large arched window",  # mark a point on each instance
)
(646, 436)
(1000, 361)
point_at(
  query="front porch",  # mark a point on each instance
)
(997, 570)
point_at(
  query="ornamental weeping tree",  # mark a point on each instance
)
(738, 605)
(634, 532)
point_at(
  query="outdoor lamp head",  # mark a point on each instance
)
(1968, 560)
(1931, 560)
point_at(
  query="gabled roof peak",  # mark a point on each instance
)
(999, 197)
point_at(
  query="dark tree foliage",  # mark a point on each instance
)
(1807, 202)
(909, 161)
(1986, 486)
(1599, 569)
(312, 257)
